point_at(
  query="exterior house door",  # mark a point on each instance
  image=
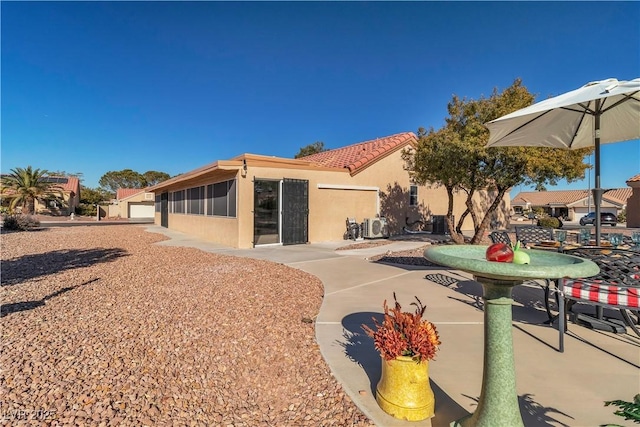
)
(295, 211)
(164, 209)
(266, 212)
(280, 211)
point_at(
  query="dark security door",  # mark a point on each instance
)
(295, 211)
(164, 209)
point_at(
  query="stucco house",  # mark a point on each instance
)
(571, 204)
(134, 203)
(255, 200)
(69, 187)
(63, 201)
(633, 203)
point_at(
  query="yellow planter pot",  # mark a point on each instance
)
(404, 390)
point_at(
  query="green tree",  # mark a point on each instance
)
(89, 198)
(316, 147)
(93, 196)
(154, 177)
(456, 158)
(126, 178)
(23, 186)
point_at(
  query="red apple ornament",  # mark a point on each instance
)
(499, 252)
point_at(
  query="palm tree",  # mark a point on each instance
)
(24, 186)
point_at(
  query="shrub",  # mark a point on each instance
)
(20, 222)
(404, 333)
(622, 216)
(85, 209)
(549, 222)
(539, 211)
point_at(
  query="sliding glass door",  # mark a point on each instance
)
(266, 214)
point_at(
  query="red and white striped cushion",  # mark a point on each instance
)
(623, 297)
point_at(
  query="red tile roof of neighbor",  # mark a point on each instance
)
(567, 197)
(635, 178)
(123, 193)
(358, 156)
(621, 194)
(541, 198)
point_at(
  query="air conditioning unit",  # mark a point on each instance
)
(374, 228)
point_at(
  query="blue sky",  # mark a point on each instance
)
(94, 87)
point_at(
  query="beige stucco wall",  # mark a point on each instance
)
(215, 229)
(334, 196)
(328, 208)
(71, 201)
(113, 210)
(633, 206)
(394, 183)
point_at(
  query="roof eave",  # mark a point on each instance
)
(184, 177)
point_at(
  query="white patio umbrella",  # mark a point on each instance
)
(600, 112)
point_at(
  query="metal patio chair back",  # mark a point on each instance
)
(532, 234)
(500, 237)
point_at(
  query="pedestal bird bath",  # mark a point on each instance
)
(498, 405)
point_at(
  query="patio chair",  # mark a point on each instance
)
(353, 229)
(617, 286)
(532, 234)
(500, 237)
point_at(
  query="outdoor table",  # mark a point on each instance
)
(498, 404)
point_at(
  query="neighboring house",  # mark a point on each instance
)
(134, 203)
(571, 204)
(633, 203)
(69, 187)
(65, 198)
(255, 200)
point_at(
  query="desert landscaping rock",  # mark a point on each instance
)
(102, 327)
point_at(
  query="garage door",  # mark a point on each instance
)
(141, 210)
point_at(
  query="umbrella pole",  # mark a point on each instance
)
(597, 190)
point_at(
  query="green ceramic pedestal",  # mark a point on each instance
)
(498, 405)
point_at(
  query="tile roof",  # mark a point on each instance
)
(123, 193)
(568, 197)
(635, 178)
(358, 156)
(72, 184)
(542, 198)
(619, 194)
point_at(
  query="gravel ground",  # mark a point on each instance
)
(101, 327)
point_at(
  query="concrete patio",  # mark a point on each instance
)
(554, 389)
